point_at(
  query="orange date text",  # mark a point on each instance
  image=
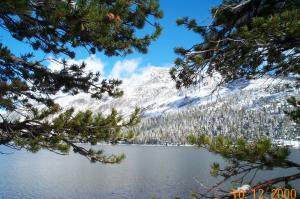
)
(261, 194)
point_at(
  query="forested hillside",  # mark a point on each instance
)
(249, 107)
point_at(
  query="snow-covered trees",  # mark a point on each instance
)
(238, 114)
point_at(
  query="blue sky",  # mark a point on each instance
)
(160, 52)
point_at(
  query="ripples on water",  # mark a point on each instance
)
(164, 172)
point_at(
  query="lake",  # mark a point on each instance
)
(147, 171)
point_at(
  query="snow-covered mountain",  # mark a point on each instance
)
(168, 113)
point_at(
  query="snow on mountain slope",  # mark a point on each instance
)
(250, 108)
(155, 93)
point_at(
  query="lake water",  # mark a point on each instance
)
(147, 171)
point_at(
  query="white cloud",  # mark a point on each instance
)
(93, 64)
(125, 68)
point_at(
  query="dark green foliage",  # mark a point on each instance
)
(244, 159)
(245, 39)
(103, 25)
(295, 113)
(57, 28)
(260, 150)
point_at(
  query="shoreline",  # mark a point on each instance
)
(161, 145)
(294, 144)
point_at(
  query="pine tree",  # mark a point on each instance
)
(245, 39)
(57, 28)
